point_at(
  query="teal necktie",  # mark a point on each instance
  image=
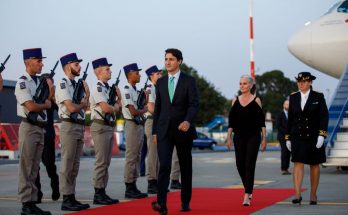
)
(171, 88)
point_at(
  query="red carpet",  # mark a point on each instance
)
(204, 201)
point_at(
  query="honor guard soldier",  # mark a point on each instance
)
(71, 130)
(134, 131)
(31, 130)
(103, 115)
(152, 158)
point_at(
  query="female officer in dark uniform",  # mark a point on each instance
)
(307, 126)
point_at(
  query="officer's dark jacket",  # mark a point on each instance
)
(312, 121)
(282, 123)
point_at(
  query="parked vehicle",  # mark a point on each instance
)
(203, 141)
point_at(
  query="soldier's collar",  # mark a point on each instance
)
(68, 81)
(28, 76)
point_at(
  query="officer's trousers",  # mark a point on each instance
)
(31, 140)
(134, 141)
(103, 138)
(152, 163)
(71, 139)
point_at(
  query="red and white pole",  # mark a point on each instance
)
(252, 62)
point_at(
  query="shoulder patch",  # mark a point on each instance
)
(99, 89)
(23, 77)
(126, 87)
(62, 85)
(22, 85)
(127, 96)
(148, 91)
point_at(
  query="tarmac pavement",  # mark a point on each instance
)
(210, 169)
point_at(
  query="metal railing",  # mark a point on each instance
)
(333, 134)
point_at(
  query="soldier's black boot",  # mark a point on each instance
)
(132, 192)
(100, 198)
(69, 204)
(152, 187)
(84, 206)
(30, 208)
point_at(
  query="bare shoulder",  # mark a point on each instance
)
(233, 101)
(258, 101)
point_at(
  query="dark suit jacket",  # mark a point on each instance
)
(282, 122)
(312, 121)
(183, 108)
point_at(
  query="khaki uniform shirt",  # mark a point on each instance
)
(100, 93)
(129, 97)
(25, 90)
(151, 90)
(65, 91)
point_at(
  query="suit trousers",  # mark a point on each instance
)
(165, 150)
(134, 142)
(175, 172)
(31, 140)
(246, 149)
(71, 139)
(284, 156)
(103, 138)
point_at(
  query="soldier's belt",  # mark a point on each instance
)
(79, 121)
(102, 122)
(41, 124)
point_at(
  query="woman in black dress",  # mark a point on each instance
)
(247, 122)
(307, 126)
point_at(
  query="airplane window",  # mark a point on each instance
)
(343, 8)
(333, 7)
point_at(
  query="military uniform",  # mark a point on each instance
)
(31, 139)
(71, 139)
(134, 135)
(304, 127)
(175, 171)
(102, 130)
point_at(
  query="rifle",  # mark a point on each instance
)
(41, 94)
(140, 119)
(112, 99)
(2, 67)
(79, 93)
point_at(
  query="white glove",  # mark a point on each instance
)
(288, 145)
(320, 142)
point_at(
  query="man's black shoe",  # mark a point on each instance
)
(69, 204)
(30, 208)
(175, 185)
(152, 187)
(185, 207)
(157, 207)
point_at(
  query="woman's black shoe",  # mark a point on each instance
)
(313, 202)
(297, 201)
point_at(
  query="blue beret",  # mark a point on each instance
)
(69, 58)
(131, 68)
(151, 70)
(100, 62)
(32, 53)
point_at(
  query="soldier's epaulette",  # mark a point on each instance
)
(287, 137)
(126, 87)
(64, 79)
(322, 133)
(100, 84)
(149, 85)
(293, 93)
(23, 77)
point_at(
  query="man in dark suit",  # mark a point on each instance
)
(282, 121)
(176, 107)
